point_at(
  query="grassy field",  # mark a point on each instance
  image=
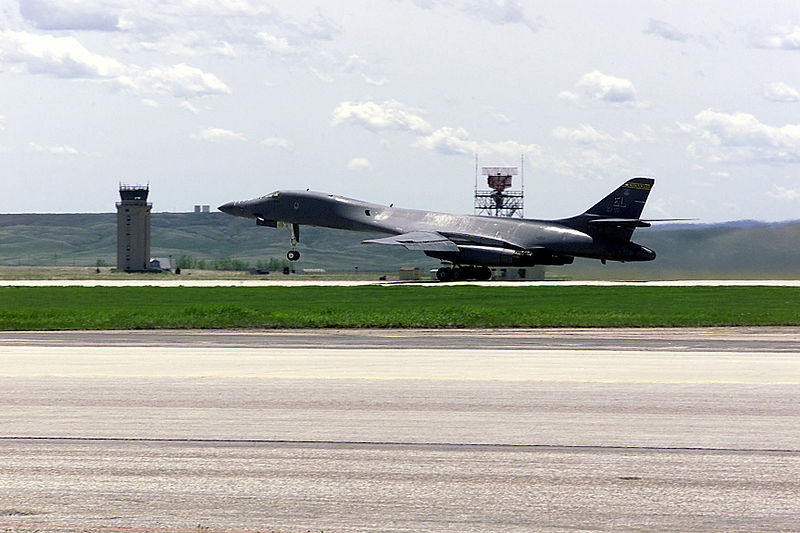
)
(48, 308)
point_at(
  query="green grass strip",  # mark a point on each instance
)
(60, 308)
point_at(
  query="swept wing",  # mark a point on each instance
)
(427, 241)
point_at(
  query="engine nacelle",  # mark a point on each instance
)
(494, 256)
(542, 257)
(632, 252)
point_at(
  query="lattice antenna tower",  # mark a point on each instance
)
(499, 200)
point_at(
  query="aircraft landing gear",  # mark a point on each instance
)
(294, 234)
(484, 273)
(458, 273)
(444, 274)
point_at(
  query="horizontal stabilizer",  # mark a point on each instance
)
(621, 222)
(426, 241)
(634, 222)
(668, 219)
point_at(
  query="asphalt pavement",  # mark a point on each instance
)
(399, 430)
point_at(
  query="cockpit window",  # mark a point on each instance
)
(271, 195)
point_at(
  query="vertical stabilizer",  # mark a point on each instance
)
(625, 202)
(617, 215)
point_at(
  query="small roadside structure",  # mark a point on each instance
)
(535, 273)
(409, 273)
(160, 263)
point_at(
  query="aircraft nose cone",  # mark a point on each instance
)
(229, 208)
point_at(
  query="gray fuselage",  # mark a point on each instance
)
(481, 240)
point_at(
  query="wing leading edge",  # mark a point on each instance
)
(426, 241)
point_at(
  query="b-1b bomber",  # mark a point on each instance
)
(468, 245)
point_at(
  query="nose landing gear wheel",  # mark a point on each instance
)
(293, 255)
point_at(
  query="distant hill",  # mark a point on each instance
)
(729, 249)
(82, 239)
(731, 224)
(742, 248)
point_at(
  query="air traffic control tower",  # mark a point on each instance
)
(133, 228)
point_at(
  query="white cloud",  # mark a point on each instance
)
(449, 141)
(665, 30)
(456, 141)
(630, 137)
(2, 123)
(187, 43)
(218, 134)
(780, 92)
(66, 57)
(321, 75)
(63, 57)
(501, 12)
(592, 164)
(276, 45)
(191, 28)
(584, 134)
(741, 138)
(374, 116)
(377, 82)
(500, 118)
(194, 28)
(598, 87)
(355, 63)
(784, 38)
(179, 80)
(189, 107)
(445, 140)
(279, 143)
(369, 72)
(55, 150)
(359, 163)
(317, 27)
(70, 14)
(568, 96)
(186, 28)
(154, 18)
(782, 193)
(498, 12)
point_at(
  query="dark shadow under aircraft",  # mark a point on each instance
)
(471, 244)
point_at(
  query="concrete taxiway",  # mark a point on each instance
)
(691, 430)
(291, 282)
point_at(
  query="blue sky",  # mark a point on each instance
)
(390, 101)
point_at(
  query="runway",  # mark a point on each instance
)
(291, 282)
(690, 430)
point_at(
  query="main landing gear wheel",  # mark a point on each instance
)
(444, 274)
(293, 255)
(459, 273)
